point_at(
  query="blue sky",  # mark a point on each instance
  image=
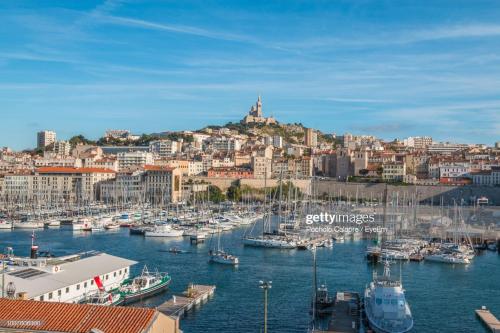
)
(387, 68)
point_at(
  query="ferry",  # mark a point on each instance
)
(145, 285)
(386, 307)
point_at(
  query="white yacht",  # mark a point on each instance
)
(271, 242)
(52, 223)
(28, 225)
(386, 307)
(218, 255)
(447, 258)
(163, 230)
(4, 224)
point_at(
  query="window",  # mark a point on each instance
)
(78, 287)
(41, 298)
(85, 285)
(120, 272)
(67, 290)
(125, 270)
(91, 282)
(107, 277)
(50, 295)
(59, 292)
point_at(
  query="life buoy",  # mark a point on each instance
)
(56, 269)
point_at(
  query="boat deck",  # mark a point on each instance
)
(489, 320)
(177, 306)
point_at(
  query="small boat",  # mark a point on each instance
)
(175, 250)
(4, 224)
(52, 224)
(447, 258)
(28, 225)
(112, 226)
(218, 255)
(102, 298)
(163, 230)
(145, 285)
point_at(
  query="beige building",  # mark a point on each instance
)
(394, 171)
(262, 167)
(56, 184)
(310, 138)
(133, 160)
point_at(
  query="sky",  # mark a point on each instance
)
(392, 69)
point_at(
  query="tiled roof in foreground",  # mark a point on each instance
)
(74, 318)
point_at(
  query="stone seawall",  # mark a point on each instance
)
(425, 194)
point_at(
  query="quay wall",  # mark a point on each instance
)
(425, 193)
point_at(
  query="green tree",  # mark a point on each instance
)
(234, 192)
(363, 172)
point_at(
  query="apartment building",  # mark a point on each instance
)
(133, 160)
(164, 148)
(393, 171)
(45, 138)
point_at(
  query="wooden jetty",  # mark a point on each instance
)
(488, 319)
(344, 314)
(195, 294)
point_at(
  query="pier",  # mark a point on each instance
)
(488, 319)
(178, 305)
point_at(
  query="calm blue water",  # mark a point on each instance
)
(442, 297)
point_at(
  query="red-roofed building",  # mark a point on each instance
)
(50, 317)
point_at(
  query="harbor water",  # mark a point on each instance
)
(442, 297)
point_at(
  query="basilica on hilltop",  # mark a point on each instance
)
(255, 115)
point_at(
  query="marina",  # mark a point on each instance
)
(343, 267)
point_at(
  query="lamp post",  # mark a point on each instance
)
(265, 285)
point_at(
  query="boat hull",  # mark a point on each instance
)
(140, 295)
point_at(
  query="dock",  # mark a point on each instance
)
(344, 315)
(488, 319)
(178, 305)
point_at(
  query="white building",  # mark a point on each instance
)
(277, 141)
(419, 142)
(225, 144)
(164, 148)
(66, 279)
(45, 138)
(62, 148)
(134, 159)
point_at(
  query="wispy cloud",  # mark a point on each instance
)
(181, 29)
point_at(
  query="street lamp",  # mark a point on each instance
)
(265, 285)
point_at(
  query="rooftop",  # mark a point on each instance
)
(73, 170)
(74, 318)
(41, 280)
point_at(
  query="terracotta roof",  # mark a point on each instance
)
(73, 170)
(149, 167)
(74, 318)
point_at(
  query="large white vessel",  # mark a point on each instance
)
(386, 307)
(163, 230)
